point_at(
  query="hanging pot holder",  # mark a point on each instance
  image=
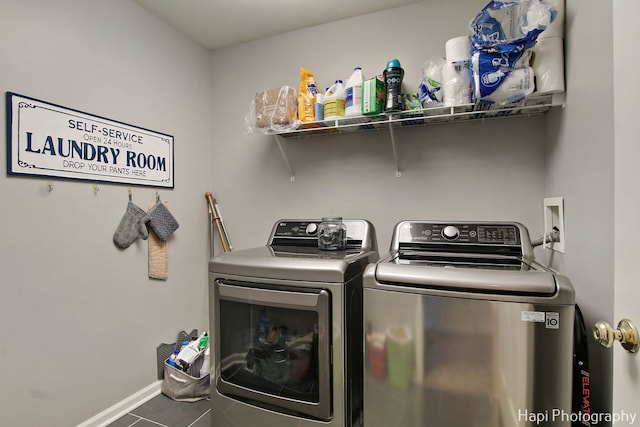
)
(162, 222)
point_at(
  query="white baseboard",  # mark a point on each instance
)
(111, 414)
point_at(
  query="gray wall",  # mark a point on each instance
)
(63, 279)
(579, 167)
(482, 170)
(79, 319)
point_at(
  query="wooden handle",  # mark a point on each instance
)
(216, 220)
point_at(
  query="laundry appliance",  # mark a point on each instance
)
(465, 329)
(287, 329)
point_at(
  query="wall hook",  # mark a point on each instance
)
(130, 195)
(49, 186)
(95, 189)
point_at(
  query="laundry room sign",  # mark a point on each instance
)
(53, 141)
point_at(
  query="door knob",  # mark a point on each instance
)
(626, 333)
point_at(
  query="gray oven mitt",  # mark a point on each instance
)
(162, 222)
(132, 226)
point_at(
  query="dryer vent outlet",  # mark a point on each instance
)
(554, 219)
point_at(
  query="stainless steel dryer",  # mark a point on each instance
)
(464, 328)
(287, 329)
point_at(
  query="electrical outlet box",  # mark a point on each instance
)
(554, 217)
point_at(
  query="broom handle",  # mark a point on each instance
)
(224, 228)
(216, 220)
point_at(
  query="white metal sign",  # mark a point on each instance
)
(53, 141)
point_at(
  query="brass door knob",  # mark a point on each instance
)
(627, 334)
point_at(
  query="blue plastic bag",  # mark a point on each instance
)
(502, 35)
(510, 26)
(490, 70)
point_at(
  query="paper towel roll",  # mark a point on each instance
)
(458, 49)
(548, 65)
(556, 28)
(455, 72)
(457, 83)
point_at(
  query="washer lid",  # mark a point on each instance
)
(309, 265)
(498, 282)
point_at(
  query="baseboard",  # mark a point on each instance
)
(111, 414)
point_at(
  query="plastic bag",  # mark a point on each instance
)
(273, 110)
(410, 101)
(430, 88)
(501, 77)
(506, 87)
(502, 36)
(510, 26)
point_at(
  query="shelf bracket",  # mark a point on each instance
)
(286, 159)
(395, 150)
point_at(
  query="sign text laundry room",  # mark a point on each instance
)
(49, 140)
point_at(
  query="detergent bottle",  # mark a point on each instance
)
(334, 100)
(393, 75)
(353, 93)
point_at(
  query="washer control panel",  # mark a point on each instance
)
(459, 233)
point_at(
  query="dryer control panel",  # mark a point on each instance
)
(304, 233)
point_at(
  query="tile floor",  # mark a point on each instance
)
(162, 411)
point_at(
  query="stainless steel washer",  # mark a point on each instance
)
(287, 329)
(464, 328)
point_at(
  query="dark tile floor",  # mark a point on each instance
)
(165, 412)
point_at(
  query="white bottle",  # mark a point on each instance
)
(206, 364)
(319, 106)
(353, 94)
(334, 102)
(191, 352)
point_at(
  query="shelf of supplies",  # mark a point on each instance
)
(530, 106)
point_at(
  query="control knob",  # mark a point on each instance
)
(312, 228)
(450, 232)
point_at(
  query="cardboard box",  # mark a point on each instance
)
(373, 96)
(276, 106)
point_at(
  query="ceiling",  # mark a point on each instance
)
(216, 24)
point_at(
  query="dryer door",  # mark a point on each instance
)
(272, 347)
